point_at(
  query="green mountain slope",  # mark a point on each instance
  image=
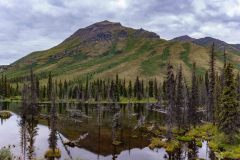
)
(105, 49)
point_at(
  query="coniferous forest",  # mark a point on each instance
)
(203, 108)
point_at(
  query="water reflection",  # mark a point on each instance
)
(94, 133)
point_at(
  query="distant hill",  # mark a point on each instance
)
(105, 49)
(208, 41)
(184, 38)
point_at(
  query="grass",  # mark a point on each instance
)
(5, 154)
(185, 138)
(185, 54)
(53, 154)
(170, 146)
(185, 59)
(218, 141)
(123, 100)
(5, 114)
(151, 65)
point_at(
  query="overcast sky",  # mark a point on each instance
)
(31, 25)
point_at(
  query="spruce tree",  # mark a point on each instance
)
(86, 96)
(130, 89)
(194, 98)
(37, 87)
(150, 88)
(116, 90)
(65, 92)
(60, 86)
(170, 89)
(137, 89)
(49, 86)
(211, 105)
(238, 86)
(179, 98)
(229, 112)
(156, 94)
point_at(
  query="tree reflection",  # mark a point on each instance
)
(29, 112)
(53, 151)
(53, 122)
(193, 150)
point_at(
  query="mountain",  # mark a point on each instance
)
(184, 38)
(105, 49)
(208, 41)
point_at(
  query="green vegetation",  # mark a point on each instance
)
(53, 153)
(170, 146)
(185, 59)
(5, 114)
(185, 54)
(155, 61)
(5, 154)
(184, 138)
(218, 141)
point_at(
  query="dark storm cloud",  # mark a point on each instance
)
(27, 25)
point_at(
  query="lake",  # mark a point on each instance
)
(93, 133)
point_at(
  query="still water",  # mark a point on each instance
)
(92, 132)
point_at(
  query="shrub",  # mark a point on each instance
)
(5, 154)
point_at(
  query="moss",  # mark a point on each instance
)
(178, 131)
(185, 138)
(203, 132)
(218, 141)
(5, 114)
(172, 145)
(116, 143)
(156, 143)
(53, 154)
(199, 143)
(230, 155)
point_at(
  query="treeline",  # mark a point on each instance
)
(215, 95)
(111, 90)
(7, 89)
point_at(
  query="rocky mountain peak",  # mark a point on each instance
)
(184, 38)
(109, 31)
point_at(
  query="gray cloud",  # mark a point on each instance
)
(27, 25)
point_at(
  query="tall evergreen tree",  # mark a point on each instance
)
(37, 87)
(211, 105)
(150, 88)
(156, 94)
(238, 86)
(170, 89)
(65, 89)
(130, 90)
(49, 86)
(117, 88)
(137, 89)
(179, 98)
(194, 98)
(86, 96)
(229, 112)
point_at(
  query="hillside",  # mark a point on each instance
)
(105, 49)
